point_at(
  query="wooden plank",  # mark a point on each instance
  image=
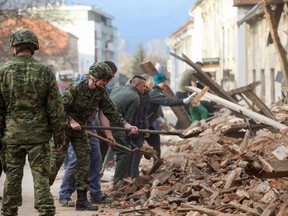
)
(280, 169)
(244, 144)
(259, 103)
(205, 210)
(248, 92)
(266, 166)
(204, 79)
(240, 109)
(270, 209)
(198, 97)
(242, 89)
(279, 165)
(179, 111)
(244, 208)
(230, 179)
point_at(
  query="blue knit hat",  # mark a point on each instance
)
(159, 78)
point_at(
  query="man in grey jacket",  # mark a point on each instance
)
(127, 101)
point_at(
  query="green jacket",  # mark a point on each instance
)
(127, 101)
(80, 102)
(31, 109)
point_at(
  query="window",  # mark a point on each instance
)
(272, 84)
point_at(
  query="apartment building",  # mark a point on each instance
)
(97, 37)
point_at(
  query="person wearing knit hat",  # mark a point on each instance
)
(156, 99)
(159, 78)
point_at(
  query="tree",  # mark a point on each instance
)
(138, 58)
(30, 9)
(124, 58)
(157, 51)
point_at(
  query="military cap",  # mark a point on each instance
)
(101, 70)
(24, 36)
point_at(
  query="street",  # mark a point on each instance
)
(27, 207)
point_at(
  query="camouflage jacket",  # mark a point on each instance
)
(31, 110)
(80, 102)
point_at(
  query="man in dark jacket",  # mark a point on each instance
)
(127, 101)
(156, 99)
(141, 121)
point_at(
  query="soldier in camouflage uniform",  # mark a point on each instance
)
(31, 111)
(80, 101)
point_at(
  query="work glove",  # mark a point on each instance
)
(188, 99)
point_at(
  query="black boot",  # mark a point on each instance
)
(83, 204)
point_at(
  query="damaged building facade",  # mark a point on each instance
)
(230, 38)
(262, 60)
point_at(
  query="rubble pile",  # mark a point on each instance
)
(222, 171)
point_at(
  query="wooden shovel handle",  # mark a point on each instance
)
(108, 141)
(139, 130)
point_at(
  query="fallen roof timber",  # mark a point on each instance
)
(240, 109)
(259, 170)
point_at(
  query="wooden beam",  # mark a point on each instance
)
(204, 79)
(205, 210)
(280, 169)
(240, 109)
(243, 208)
(179, 111)
(248, 91)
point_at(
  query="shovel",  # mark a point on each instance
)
(188, 133)
(124, 148)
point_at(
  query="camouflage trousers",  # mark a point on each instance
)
(13, 159)
(80, 143)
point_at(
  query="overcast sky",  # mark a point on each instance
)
(144, 20)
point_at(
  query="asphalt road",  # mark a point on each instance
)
(27, 208)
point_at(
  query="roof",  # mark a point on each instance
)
(258, 11)
(245, 2)
(181, 29)
(254, 13)
(51, 39)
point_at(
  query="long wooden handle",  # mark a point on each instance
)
(139, 130)
(108, 141)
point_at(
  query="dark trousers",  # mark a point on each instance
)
(0, 159)
(182, 95)
(136, 156)
(154, 141)
(122, 166)
(0, 167)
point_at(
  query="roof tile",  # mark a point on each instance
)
(51, 39)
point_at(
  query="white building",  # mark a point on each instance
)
(179, 42)
(217, 41)
(97, 37)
